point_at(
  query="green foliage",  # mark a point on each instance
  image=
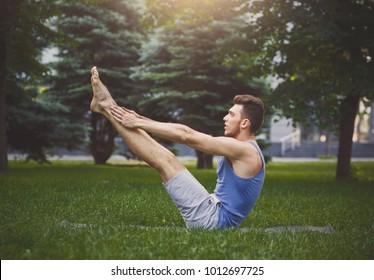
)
(107, 36)
(184, 62)
(33, 125)
(24, 33)
(128, 215)
(199, 55)
(168, 12)
(322, 52)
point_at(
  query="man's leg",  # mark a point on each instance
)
(138, 141)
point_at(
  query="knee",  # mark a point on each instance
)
(169, 166)
(168, 160)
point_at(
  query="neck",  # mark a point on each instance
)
(246, 137)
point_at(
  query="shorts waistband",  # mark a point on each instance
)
(215, 199)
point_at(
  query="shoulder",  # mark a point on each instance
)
(237, 150)
(249, 163)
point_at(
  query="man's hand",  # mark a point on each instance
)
(125, 117)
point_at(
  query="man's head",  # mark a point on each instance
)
(251, 110)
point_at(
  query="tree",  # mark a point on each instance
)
(23, 35)
(323, 53)
(35, 126)
(106, 35)
(184, 61)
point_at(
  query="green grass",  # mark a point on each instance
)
(134, 218)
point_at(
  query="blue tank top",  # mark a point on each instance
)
(237, 195)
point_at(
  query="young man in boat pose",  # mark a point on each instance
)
(240, 171)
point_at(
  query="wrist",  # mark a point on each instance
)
(141, 123)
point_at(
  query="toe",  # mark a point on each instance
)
(94, 71)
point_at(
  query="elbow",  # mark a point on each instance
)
(186, 135)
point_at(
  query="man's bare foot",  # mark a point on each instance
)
(102, 101)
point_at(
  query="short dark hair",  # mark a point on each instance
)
(253, 109)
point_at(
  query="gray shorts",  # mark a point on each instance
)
(198, 208)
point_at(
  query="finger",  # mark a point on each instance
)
(113, 110)
(116, 114)
(116, 110)
(128, 110)
(118, 118)
(119, 111)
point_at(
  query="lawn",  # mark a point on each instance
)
(76, 210)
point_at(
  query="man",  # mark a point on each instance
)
(241, 169)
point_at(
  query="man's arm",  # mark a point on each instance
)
(182, 134)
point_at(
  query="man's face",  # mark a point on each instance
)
(232, 121)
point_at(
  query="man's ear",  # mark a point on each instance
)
(245, 123)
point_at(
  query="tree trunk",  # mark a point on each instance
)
(3, 133)
(102, 139)
(348, 110)
(204, 161)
